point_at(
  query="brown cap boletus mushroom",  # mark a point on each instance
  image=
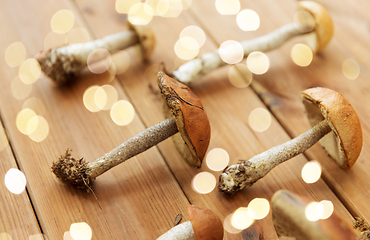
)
(316, 26)
(290, 220)
(203, 225)
(186, 116)
(334, 121)
(63, 63)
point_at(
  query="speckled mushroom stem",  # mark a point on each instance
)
(63, 62)
(183, 231)
(133, 146)
(195, 68)
(238, 176)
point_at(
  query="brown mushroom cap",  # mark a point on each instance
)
(344, 142)
(289, 218)
(191, 120)
(146, 38)
(324, 27)
(206, 224)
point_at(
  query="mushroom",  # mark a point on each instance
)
(318, 29)
(203, 225)
(188, 118)
(289, 218)
(61, 64)
(334, 121)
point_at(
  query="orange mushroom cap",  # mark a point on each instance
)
(191, 119)
(206, 224)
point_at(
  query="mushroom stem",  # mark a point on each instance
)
(80, 173)
(183, 231)
(64, 62)
(238, 176)
(195, 68)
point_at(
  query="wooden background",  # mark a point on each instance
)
(141, 198)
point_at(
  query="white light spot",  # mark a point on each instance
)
(29, 71)
(194, 32)
(122, 113)
(258, 208)
(62, 21)
(241, 218)
(186, 48)
(314, 211)
(15, 54)
(80, 231)
(301, 55)
(248, 20)
(258, 63)
(350, 69)
(140, 14)
(227, 7)
(217, 159)
(231, 52)
(259, 120)
(311, 172)
(328, 209)
(15, 181)
(204, 182)
(99, 60)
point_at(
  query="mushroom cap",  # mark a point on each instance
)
(289, 218)
(344, 142)
(206, 224)
(324, 27)
(146, 38)
(191, 119)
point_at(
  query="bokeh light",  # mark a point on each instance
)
(217, 159)
(241, 219)
(311, 172)
(248, 20)
(186, 48)
(228, 226)
(15, 54)
(350, 69)
(259, 120)
(140, 14)
(77, 35)
(203, 183)
(111, 96)
(258, 63)
(89, 99)
(5, 236)
(328, 209)
(258, 208)
(99, 60)
(80, 231)
(301, 55)
(37, 128)
(67, 236)
(121, 61)
(194, 32)
(231, 52)
(53, 40)
(62, 21)
(3, 139)
(100, 98)
(240, 76)
(314, 211)
(19, 89)
(124, 6)
(15, 181)
(29, 71)
(122, 113)
(35, 104)
(169, 8)
(227, 7)
(23, 117)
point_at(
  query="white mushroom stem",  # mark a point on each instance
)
(80, 173)
(183, 231)
(63, 62)
(238, 176)
(195, 68)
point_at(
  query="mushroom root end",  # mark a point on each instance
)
(72, 171)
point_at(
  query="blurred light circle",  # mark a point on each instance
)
(122, 113)
(227, 7)
(350, 69)
(217, 159)
(38, 129)
(314, 211)
(19, 89)
(89, 99)
(258, 63)
(241, 219)
(248, 20)
(62, 21)
(328, 209)
(35, 104)
(301, 55)
(111, 96)
(29, 71)
(231, 52)
(195, 33)
(121, 60)
(258, 208)
(23, 117)
(204, 182)
(259, 120)
(140, 14)
(15, 181)
(186, 48)
(15, 54)
(124, 6)
(99, 60)
(311, 172)
(240, 76)
(80, 231)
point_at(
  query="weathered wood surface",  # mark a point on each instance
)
(141, 198)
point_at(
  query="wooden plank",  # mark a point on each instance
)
(325, 70)
(18, 220)
(228, 109)
(138, 200)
